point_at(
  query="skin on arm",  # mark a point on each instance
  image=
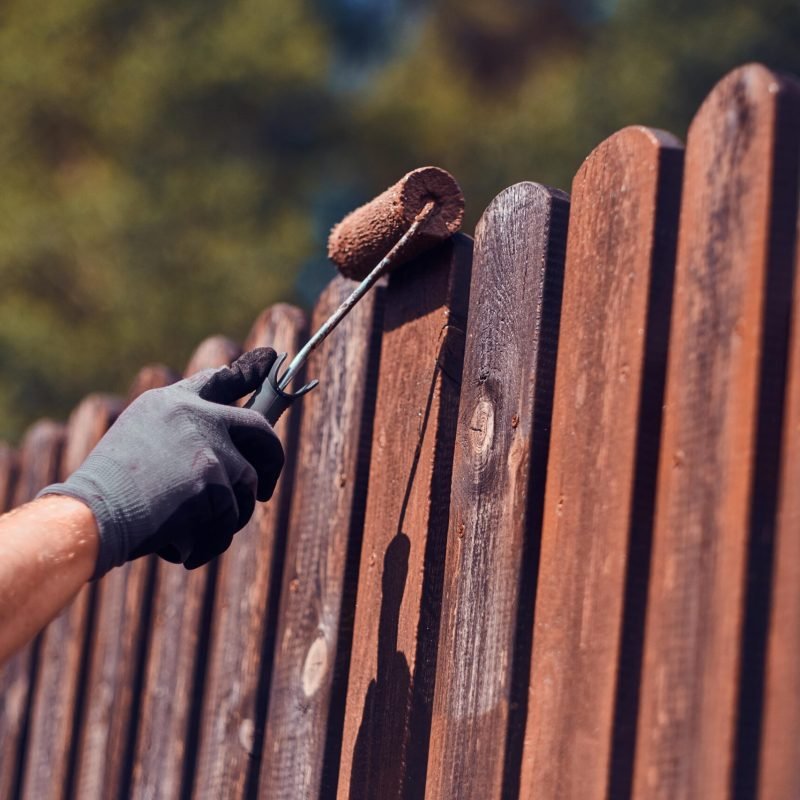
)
(48, 550)
(177, 474)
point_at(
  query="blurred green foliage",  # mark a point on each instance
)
(169, 169)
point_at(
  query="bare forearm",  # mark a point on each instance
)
(48, 550)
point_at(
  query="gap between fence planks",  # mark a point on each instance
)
(496, 499)
(601, 473)
(176, 652)
(309, 678)
(116, 660)
(779, 768)
(717, 484)
(57, 706)
(245, 610)
(390, 690)
(39, 460)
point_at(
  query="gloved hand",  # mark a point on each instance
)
(181, 467)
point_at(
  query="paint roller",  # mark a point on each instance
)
(422, 209)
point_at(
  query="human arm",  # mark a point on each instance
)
(48, 550)
(181, 466)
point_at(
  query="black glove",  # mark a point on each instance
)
(180, 470)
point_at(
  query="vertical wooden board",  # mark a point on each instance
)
(56, 710)
(501, 443)
(245, 610)
(8, 476)
(717, 484)
(779, 769)
(598, 511)
(393, 659)
(123, 599)
(176, 656)
(153, 376)
(309, 681)
(39, 459)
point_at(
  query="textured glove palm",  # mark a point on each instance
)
(179, 472)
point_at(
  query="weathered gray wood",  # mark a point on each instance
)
(393, 661)
(309, 679)
(245, 610)
(39, 459)
(56, 710)
(170, 702)
(496, 497)
(601, 473)
(123, 601)
(702, 683)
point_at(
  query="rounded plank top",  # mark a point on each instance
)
(92, 417)
(153, 376)
(602, 460)
(39, 459)
(501, 442)
(720, 441)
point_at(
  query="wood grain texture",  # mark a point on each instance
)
(123, 603)
(176, 657)
(309, 679)
(39, 460)
(779, 769)
(598, 511)
(245, 610)
(393, 660)
(496, 497)
(58, 690)
(716, 503)
(8, 476)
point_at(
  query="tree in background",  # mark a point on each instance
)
(168, 170)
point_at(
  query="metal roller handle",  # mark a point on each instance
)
(270, 399)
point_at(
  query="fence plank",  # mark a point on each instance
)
(39, 459)
(306, 706)
(8, 476)
(779, 770)
(501, 444)
(57, 691)
(168, 714)
(716, 495)
(390, 691)
(115, 662)
(245, 611)
(601, 474)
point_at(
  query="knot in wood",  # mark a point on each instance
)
(481, 432)
(315, 666)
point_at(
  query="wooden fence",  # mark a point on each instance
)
(538, 535)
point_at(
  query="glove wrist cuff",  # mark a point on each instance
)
(121, 512)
